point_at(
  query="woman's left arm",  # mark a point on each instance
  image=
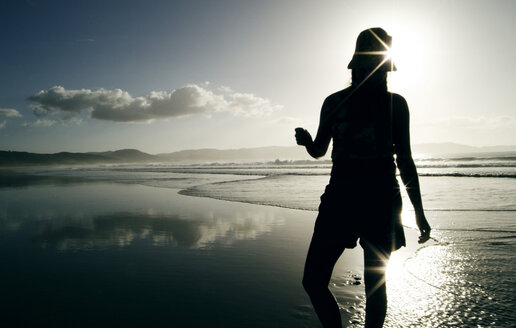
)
(405, 163)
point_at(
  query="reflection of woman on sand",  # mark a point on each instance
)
(369, 125)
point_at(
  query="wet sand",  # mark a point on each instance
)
(107, 254)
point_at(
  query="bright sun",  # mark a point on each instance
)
(409, 55)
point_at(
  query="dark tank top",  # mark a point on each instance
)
(361, 127)
(362, 134)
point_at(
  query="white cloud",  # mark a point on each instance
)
(2, 125)
(73, 120)
(246, 104)
(39, 123)
(225, 89)
(9, 112)
(118, 105)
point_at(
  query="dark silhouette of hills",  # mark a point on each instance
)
(228, 155)
(16, 158)
(262, 154)
(131, 155)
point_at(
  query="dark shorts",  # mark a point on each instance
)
(368, 209)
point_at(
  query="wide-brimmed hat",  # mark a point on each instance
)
(371, 50)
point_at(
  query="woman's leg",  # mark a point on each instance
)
(375, 262)
(321, 258)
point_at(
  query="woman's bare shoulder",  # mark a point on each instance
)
(399, 104)
(336, 99)
(398, 99)
(339, 95)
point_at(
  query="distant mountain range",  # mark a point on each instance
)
(262, 154)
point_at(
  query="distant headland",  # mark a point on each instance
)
(262, 154)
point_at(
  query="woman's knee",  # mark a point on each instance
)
(313, 286)
(307, 284)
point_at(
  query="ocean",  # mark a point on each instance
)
(223, 245)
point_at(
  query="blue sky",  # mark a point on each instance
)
(163, 76)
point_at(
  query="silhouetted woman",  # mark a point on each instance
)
(370, 131)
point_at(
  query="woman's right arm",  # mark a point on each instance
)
(318, 147)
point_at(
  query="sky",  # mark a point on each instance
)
(163, 76)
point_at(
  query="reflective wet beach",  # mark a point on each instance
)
(107, 255)
(84, 253)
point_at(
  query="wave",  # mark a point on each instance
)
(195, 191)
(465, 166)
(469, 210)
(470, 175)
(424, 174)
(430, 174)
(266, 171)
(454, 165)
(482, 230)
(264, 166)
(470, 158)
(305, 170)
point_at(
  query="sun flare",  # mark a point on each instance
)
(409, 54)
(395, 266)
